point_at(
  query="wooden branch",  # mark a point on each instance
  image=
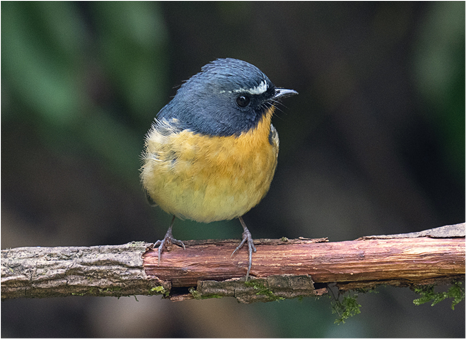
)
(281, 268)
(36, 272)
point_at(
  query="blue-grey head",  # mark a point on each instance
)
(227, 97)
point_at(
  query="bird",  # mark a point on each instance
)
(211, 152)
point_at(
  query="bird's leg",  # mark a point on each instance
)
(168, 239)
(246, 237)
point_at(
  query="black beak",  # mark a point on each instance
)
(283, 93)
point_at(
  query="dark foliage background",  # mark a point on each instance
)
(374, 144)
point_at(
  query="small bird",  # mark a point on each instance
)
(211, 152)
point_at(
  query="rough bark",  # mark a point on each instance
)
(37, 272)
(281, 268)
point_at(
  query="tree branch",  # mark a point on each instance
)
(281, 268)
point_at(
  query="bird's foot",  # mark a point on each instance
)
(168, 239)
(247, 237)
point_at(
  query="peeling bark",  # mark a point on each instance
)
(281, 268)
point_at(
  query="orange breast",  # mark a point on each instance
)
(210, 178)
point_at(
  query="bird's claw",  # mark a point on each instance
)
(167, 240)
(247, 237)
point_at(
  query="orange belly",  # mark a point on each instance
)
(206, 178)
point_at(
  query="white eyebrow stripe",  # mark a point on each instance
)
(259, 89)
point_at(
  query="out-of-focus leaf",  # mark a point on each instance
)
(132, 40)
(440, 70)
(441, 38)
(39, 64)
(51, 69)
(117, 148)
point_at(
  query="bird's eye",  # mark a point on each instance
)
(243, 101)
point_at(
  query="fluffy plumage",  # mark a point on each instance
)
(211, 153)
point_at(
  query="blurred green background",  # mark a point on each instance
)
(374, 144)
